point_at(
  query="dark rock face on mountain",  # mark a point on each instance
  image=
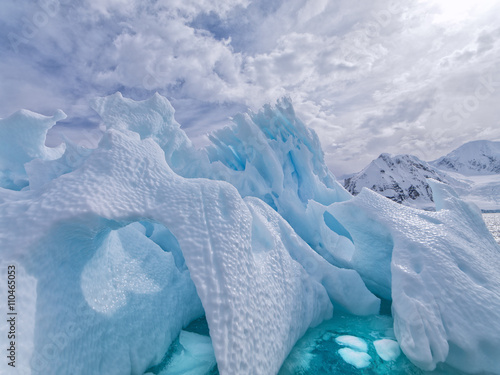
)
(473, 170)
(402, 178)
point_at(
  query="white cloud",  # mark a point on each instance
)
(368, 77)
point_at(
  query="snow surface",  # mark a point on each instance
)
(123, 245)
(472, 158)
(387, 349)
(484, 190)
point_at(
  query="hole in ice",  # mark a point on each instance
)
(127, 262)
(385, 307)
(335, 226)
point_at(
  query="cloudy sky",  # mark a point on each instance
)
(419, 76)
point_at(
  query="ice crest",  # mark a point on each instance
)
(22, 138)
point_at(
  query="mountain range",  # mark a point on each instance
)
(472, 169)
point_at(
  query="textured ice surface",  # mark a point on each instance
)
(153, 118)
(352, 342)
(445, 285)
(387, 349)
(125, 252)
(270, 155)
(271, 235)
(125, 180)
(493, 223)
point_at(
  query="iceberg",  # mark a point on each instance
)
(440, 269)
(136, 252)
(122, 246)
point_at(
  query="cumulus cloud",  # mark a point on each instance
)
(369, 77)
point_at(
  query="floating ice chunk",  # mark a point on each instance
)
(352, 342)
(387, 349)
(355, 358)
(194, 357)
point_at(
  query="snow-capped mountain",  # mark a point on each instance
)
(473, 170)
(402, 178)
(472, 159)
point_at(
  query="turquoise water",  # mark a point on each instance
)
(317, 352)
